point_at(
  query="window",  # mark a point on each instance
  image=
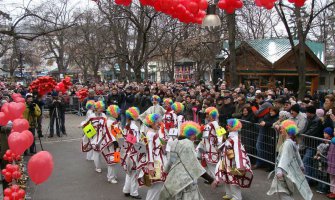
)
(322, 80)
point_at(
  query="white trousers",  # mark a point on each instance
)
(131, 184)
(284, 196)
(154, 191)
(211, 169)
(233, 191)
(96, 159)
(111, 172)
(89, 155)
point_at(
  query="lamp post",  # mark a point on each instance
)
(330, 68)
(211, 19)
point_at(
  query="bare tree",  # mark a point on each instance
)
(303, 29)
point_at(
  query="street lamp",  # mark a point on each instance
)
(330, 68)
(211, 19)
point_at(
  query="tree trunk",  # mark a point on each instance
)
(232, 50)
(146, 72)
(137, 71)
(301, 56)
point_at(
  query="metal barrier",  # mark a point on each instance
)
(260, 143)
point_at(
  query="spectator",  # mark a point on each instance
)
(114, 98)
(263, 107)
(264, 138)
(239, 106)
(248, 115)
(31, 113)
(299, 118)
(145, 101)
(57, 114)
(314, 128)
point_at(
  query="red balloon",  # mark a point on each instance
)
(3, 119)
(14, 111)
(4, 108)
(20, 125)
(193, 7)
(40, 167)
(15, 188)
(21, 193)
(203, 4)
(30, 137)
(7, 192)
(15, 95)
(16, 175)
(18, 142)
(4, 171)
(19, 99)
(15, 196)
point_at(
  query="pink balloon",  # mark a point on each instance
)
(14, 111)
(30, 137)
(15, 95)
(3, 119)
(19, 99)
(40, 167)
(18, 142)
(21, 106)
(4, 108)
(203, 4)
(20, 125)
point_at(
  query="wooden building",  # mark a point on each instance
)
(266, 63)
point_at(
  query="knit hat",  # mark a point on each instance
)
(320, 112)
(290, 127)
(132, 113)
(213, 112)
(295, 108)
(151, 119)
(310, 109)
(189, 128)
(329, 131)
(234, 124)
(178, 107)
(113, 111)
(90, 104)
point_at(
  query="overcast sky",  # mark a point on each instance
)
(14, 7)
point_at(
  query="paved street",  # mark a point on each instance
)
(74, 178)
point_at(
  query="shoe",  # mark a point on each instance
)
(114, 181)
(127, 194)
(226, 197)
(41, 136)
(98, 170)
(50, 136)
(136, 197)
(65, 134)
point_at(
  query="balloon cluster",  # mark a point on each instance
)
(82, 94)
(11, 172)
(268, 4)
(43, 85)
(64, 85)
(14, 193)
(230, 5)
(11, 111)
(298, 3)
(10, 157)
(186, 11)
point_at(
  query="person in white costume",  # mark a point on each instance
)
(86, 146)
(155, 157)
(208, 147)
(233, 168)
(129, 155)
(155, 108)
(289, 168)
(111, 153)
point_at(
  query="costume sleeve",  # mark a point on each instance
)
(144, 114)
(238, 153)
(151, 149)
